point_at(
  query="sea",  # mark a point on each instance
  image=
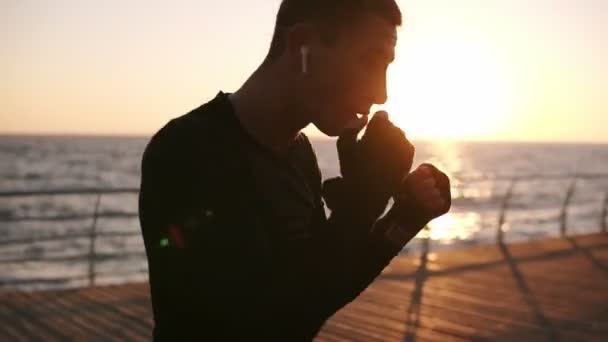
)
(46, 238)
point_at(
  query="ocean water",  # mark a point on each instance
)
(35, 253)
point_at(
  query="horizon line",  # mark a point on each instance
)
(312, 137)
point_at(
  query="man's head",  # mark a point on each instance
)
(348, 45)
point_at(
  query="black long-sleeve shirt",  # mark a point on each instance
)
(230, 255)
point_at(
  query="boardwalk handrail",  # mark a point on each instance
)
(604, 214)
(92, 240)
(531, 177)
(503, 211)
(564, 212)
(77, 191)
(93, 255)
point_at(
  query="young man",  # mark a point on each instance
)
(232, 203)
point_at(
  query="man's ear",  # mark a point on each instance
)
(300, 39)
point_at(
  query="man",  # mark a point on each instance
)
(232, 204)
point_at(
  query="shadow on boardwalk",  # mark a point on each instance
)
(552, 290)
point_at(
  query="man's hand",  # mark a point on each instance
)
(424, 195)
(372, 168)
(430, 190)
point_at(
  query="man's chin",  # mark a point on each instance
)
(334, 129)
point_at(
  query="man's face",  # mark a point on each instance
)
(347, 77)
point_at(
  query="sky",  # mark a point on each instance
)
(509, 70)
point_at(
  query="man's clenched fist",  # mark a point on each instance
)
(424, 195)
(429, 189)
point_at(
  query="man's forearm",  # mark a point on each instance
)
(360, 253)
(383, 242)
(396, 228)
(350, 256)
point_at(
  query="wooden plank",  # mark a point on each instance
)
(534, 291)
(542, 290)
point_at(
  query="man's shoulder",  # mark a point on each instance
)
(196, 130)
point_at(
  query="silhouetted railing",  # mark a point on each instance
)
(503, 211)
(564, 212)
(604, 215)
(92, 256)
(563, 217)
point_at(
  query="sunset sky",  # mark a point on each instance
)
(515, 70)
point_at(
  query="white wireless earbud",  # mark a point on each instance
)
(304, 53)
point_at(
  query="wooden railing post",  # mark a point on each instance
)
(93, 237)
(564, 212)
(503, 211)
(604, 214)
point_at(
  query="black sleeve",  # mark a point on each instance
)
(215, 286)
(358, 258)
(164, 200)
(347, 257)
(164, 174)
(315, 284)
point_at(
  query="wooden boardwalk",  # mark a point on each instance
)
(550, 290)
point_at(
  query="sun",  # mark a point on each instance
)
(448, 90)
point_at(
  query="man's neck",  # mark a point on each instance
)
(267, 111)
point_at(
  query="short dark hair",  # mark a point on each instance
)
(333, 15)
